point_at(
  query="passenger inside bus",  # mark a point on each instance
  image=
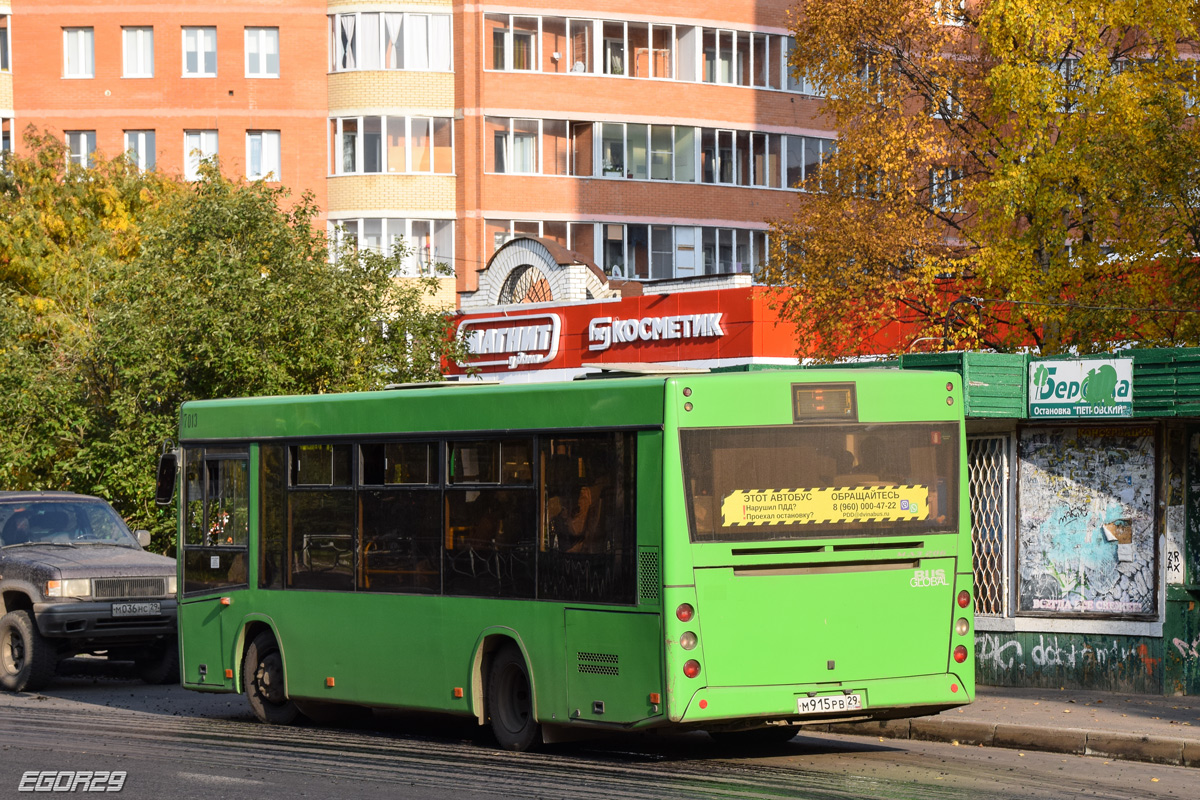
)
(577, 527)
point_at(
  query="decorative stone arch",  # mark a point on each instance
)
(535, 270)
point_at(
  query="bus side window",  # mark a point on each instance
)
(588, 539)
(491, 518)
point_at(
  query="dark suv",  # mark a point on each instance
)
(74, 580)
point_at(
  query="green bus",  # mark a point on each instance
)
(740, 553)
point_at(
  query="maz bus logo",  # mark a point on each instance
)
(512, 341)
(928, 577)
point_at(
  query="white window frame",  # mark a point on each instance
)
(80, 43)
(337, 156)
(438, 31)
(950, 12)
(509, 33)
(137, 52)
(510, 151)
(399, 229)
(6, 43)
(81, 145)
(270, 155)
(140, 149)
(202, 36)
(945, 189)
(263, 38)
(208, 145)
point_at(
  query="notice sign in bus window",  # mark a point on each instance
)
(825, 505)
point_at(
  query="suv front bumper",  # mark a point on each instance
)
(94, 621)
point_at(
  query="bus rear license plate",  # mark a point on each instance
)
(829, 703)
(136, 609)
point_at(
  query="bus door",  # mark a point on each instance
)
(614, 663)
(215, 502)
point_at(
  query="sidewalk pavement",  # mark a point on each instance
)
(1136, 727)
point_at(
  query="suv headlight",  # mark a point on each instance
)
(171, 585)
(72, 587)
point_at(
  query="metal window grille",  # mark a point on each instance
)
(988, 472)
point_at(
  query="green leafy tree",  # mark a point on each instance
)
(61, 231)
(1008, 173)
(226, 291)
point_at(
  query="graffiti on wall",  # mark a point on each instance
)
(1116, 663)
(1085, 523)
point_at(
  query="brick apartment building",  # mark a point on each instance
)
(655, 145)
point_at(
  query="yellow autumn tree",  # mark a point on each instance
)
(1008, 174)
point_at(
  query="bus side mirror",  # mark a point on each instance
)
(164, 490)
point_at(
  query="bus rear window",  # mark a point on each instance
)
(780, 483)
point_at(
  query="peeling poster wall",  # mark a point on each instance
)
(1085, 521)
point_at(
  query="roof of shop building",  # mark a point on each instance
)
(1166, 381)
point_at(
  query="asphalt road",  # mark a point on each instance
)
(177, 744)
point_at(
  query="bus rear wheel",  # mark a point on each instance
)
(510, 701)
(262, 678)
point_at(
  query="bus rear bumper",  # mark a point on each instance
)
(883, 698)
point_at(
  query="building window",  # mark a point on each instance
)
(4, 43)
(945, 189)
(428, 243)
(645, 252)
(367, 145)
(262, 155)
(514, 147)
(5, 135)
(80, 147)
(197, 146)
(950, 12)
(78, 60)
(139, 149)
(138, 46)
(511, 43)
(367, 41)
(199, 52)
(262, 52)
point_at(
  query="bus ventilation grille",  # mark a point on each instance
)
(599, 664)
(648, 576)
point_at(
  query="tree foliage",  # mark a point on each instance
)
(1017, 173)
(125, 294)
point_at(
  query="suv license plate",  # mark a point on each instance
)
(829, 703)
(136, 609)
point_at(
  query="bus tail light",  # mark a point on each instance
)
(685, 612)
(691, 668)
(960, 654)
(962, 626)
(687, 640)
(964, 599)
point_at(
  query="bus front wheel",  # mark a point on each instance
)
(510, 701)
(262, 676)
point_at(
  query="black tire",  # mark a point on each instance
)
(755, 738)
(27, 659)
(510, 701)
(262, 679)
(159, 666)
